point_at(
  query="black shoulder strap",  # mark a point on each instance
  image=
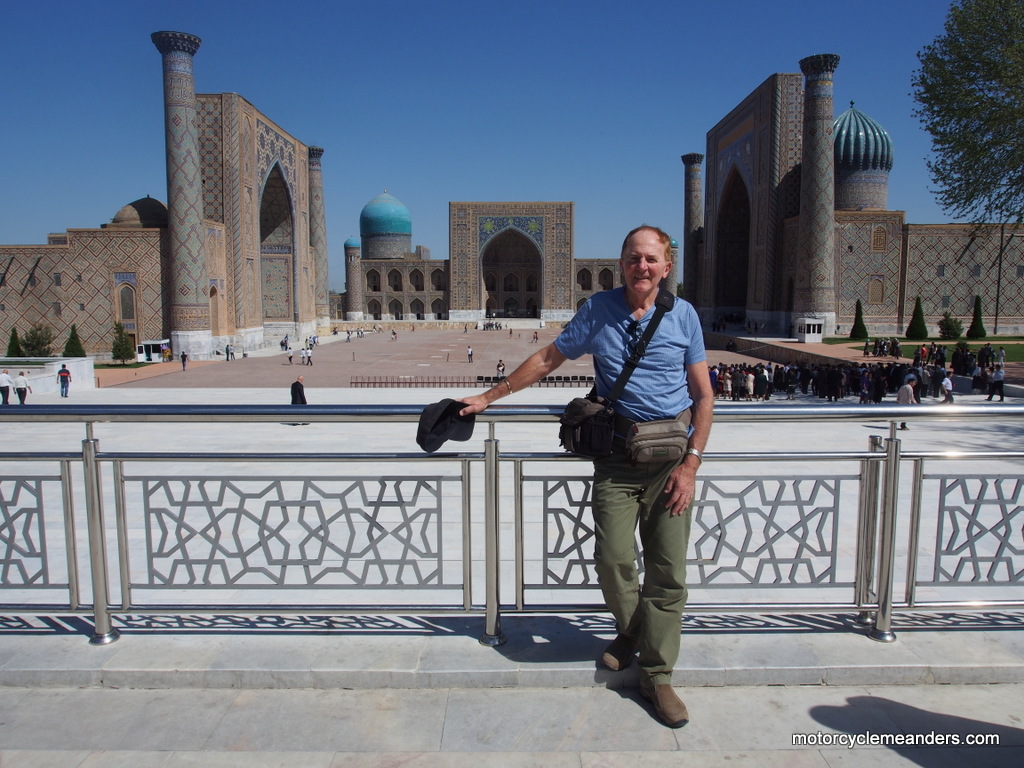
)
(663, 304)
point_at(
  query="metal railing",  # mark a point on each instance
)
(380, 530)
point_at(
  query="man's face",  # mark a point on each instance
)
(644, 262)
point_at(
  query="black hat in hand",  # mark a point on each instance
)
(440, 422)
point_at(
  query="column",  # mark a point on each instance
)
(693, 223)
(188, 291)
(318, 236)
(355, 300)
(816, 275)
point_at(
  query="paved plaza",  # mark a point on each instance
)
(420, 690)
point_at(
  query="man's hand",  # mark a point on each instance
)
(680, 488)
(474, 404)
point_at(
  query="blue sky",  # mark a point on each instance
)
(441, 101)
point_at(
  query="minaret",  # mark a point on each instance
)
(188, 292)
(816, 290)
(355, 302)
(693, 223)
(318, 235)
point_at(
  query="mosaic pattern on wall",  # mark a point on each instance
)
(276, 272)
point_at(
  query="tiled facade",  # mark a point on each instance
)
(240, 257)
(506, 260)
(759, 256)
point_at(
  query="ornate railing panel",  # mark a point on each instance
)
(24, 561)
(979, 530)
(747, 531)
(309, 533)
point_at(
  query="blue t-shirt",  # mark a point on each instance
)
(604, 327)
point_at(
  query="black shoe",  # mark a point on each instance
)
(619, 653)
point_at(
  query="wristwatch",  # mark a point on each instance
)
(695, 452)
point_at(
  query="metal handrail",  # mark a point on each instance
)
(877, 504)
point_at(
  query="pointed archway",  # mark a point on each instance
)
(277, 256)
(512, 266)
(732, 247)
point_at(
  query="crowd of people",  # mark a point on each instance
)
(868, 382)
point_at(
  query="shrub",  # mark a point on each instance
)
(950, 327)
(917, 330)
(74, 347)
(859, 330)
(977, 329)
(38, 341)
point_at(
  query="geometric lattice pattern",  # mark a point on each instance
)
(780, 531)
(23, 560)
(770, 531)
(301, 533)
(980, 534)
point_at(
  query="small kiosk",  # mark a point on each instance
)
(150, 351)
(809, 330)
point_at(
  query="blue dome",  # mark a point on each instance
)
(385, 215)
(352, 242)
(861, 143)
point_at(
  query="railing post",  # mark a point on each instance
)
(867, 534)
(492, 565)
(882, 631)
(104, 631)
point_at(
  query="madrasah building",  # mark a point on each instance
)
(791, 222)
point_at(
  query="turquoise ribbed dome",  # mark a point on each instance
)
(352, 242)
(385, 215)
(861, 143)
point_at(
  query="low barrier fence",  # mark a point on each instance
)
(132, 527)
(447, 382)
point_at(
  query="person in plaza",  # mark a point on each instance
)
(64, 380)
(947, 387)
(184, 361)
(905, 395)
(469, 353)
(289, 353)
(671, 378)
(995, 383)
(500, 370)
(21, 386)
(298, 392)
(6, 382)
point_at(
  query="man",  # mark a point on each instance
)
(64, 379)
(947, 388)
(905, 395)
(6, 382)
(670, 378)
(298, 392)
(995, 384)
(21, 386)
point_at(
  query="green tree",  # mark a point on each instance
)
(917, 330)
(977, 329)
(38, 341)
(73, 347)
(950, 327)
(14, 345)
(122, 349)
(859, 330)
(968, 89)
